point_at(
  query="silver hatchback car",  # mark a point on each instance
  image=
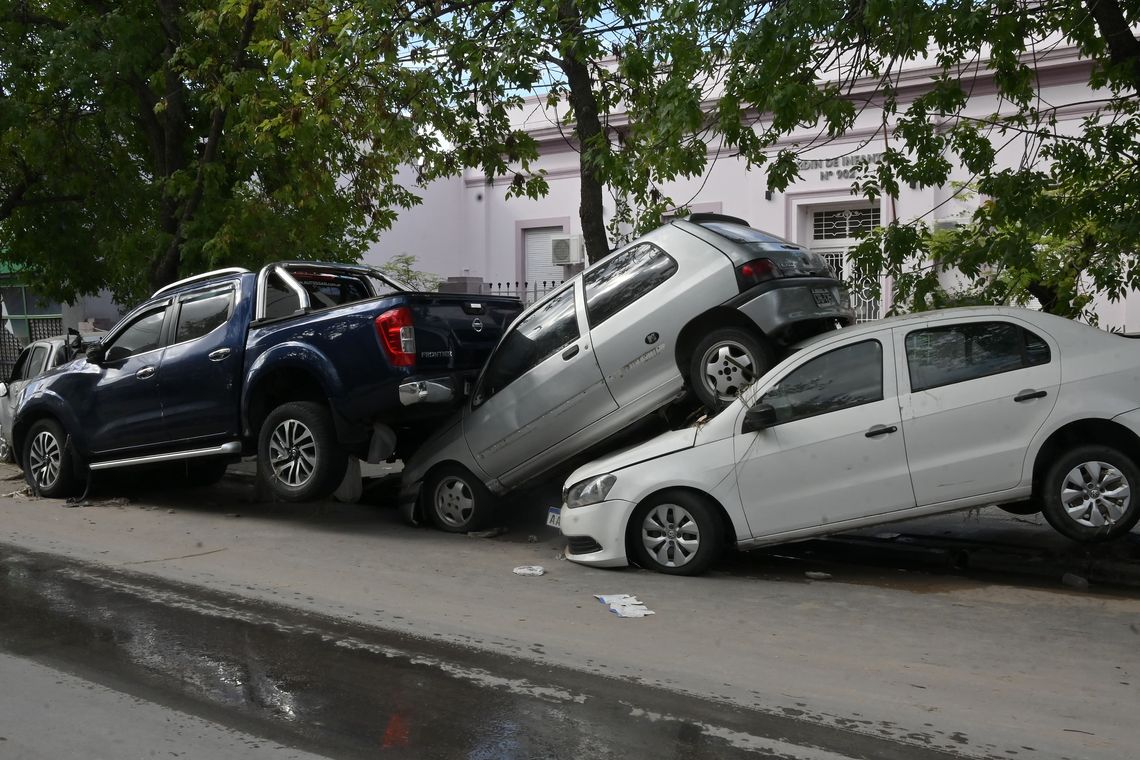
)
(704, 304)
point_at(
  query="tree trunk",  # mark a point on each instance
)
(587, 127)
(165, 266)
(1123, 47)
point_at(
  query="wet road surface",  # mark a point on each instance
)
(340, 690)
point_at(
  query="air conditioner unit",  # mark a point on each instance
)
(566, 249)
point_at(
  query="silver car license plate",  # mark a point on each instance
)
(822, 297)
(554, 517)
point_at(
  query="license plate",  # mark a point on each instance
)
(822, 297)
(554, 517)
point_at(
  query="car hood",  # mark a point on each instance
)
(666, 443)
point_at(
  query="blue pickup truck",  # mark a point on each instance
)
(304, 363)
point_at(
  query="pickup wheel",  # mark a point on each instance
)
(726, 361)
(456, 500)
(299, 458)
(49, 464)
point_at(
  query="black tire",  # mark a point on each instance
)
(310, 463)
(6, 453)
(1082, 499)
(203, 472)
(724, 362)
(676, 512)
(48, 460)
(455, 500)
(1027, 507)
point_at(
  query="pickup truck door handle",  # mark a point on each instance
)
(219, 355)
(1029, 395)
(145, 373)
(571, 352)
(878, 430)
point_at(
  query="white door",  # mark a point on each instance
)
(541, 276)
(836, 231)
(540, 386)
(836, 452)
(629, 301)
(974, 393)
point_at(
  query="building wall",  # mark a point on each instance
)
(487, 240)
(436, 232)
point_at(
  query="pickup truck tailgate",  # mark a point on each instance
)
(458, 331)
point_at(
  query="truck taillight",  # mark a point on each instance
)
(398, 336)
(755, 272)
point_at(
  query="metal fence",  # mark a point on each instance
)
(867, 309)
(11, 346)
(527, 292)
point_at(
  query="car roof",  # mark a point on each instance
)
(1040, 318)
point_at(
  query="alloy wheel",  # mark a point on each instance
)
(293, 453)
(1095, 494)
(728, 367)
(45, 459)
(671, 535)
(454, 501)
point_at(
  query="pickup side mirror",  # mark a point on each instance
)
(96, 353)
(759, 417)
(3, 390)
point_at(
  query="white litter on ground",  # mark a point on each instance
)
(624, 605)
(530, 570)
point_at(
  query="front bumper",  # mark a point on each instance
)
(605, 522)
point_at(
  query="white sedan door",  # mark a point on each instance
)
(836, 451)
(974, 393)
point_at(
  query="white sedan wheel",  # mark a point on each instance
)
(671, 535)
(677, 532)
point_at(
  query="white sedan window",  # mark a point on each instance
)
(944, 355)
(840, 379)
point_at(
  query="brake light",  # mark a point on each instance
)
(398, 336)
(755, 272)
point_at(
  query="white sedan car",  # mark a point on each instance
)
(905, 417)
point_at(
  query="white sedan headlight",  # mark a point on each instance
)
(589, 491)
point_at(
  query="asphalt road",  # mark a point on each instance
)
(340, 690)
(337, 630)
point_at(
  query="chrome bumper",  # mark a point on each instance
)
(426, 392)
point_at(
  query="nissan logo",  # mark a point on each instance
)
(477, 324)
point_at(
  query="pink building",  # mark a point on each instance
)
(467, 227)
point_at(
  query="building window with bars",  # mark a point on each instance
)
(844, 223)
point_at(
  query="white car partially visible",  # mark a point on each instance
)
(905, 417)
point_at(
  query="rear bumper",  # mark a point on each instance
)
(439, 390)
(778, 305)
